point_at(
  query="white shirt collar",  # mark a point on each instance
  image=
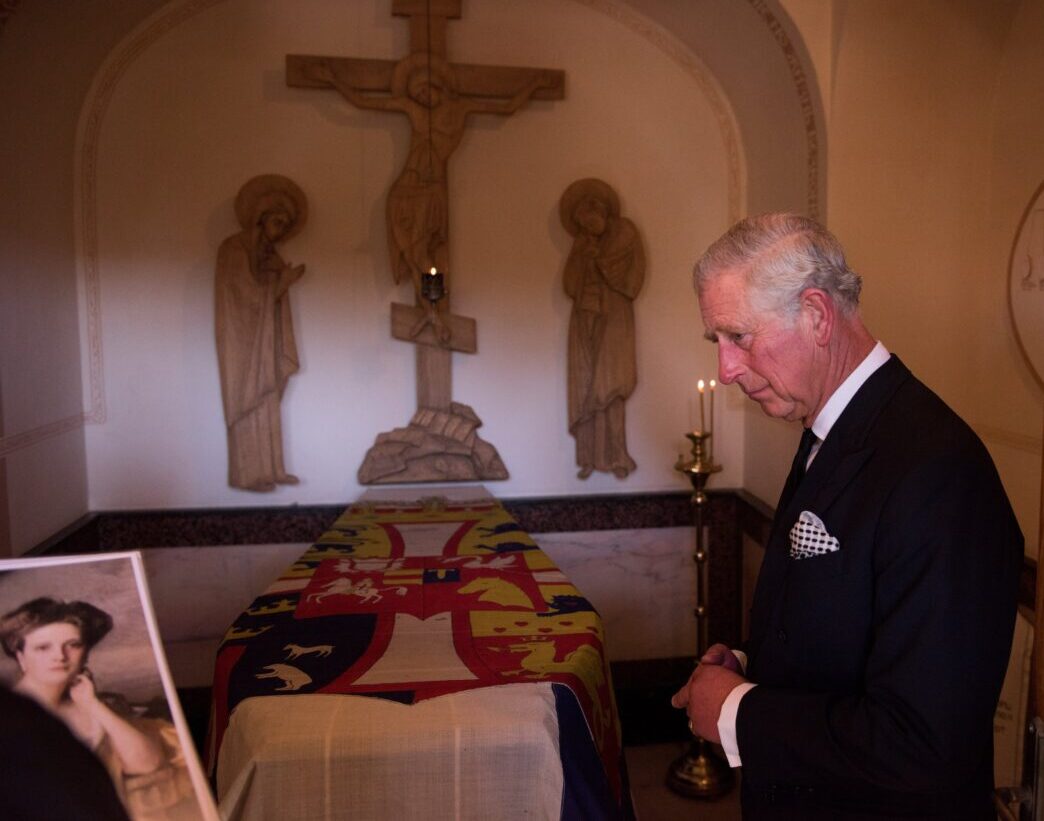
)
(840, 398)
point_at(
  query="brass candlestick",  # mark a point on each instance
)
(701, 772)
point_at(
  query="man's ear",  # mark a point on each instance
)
(821, 313)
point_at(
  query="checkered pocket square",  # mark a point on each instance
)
(809, 537)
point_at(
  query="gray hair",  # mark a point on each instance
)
(781, 255)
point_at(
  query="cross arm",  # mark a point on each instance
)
(356, 73)
(404, 320)
(494, 82)
(505, 82)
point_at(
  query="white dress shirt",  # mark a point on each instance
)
(830, 413)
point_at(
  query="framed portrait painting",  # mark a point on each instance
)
(79, 640)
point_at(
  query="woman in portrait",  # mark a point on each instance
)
(51, 640)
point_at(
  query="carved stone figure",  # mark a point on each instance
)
(255, 335)
(603, 274)
(437, 97)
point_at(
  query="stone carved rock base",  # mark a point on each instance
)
(437, 446)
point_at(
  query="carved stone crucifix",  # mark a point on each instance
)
(437, 97)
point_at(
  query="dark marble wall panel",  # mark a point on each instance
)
(132, 530)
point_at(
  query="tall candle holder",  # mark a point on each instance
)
(700, 772)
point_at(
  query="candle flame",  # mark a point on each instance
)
(713, 384)
(432, 272)
(700, 385)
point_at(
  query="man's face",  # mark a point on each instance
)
(768, 356)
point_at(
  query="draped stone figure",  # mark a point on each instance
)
(603, 274)
(255, 335)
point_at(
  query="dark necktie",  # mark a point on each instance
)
(797, 469)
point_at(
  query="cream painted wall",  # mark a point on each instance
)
(760, 61)
(40, 386)
(750, 49)
(915, 185)
(965, 79)
(204, 107)
(1016, 170)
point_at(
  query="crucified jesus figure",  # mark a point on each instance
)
(424, 88)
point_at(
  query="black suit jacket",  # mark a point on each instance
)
(879, 665)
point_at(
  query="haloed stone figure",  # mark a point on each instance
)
(255, 335)
(603, 274)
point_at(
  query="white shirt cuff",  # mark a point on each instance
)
(727, 721)
(741, 657)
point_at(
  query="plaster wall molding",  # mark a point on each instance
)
(802, 84)
(9, 444)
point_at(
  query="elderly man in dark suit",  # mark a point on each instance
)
(882, 617)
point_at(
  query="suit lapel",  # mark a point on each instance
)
(846, 449)
(841, 457)
(819, 490)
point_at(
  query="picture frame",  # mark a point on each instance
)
(91, 619)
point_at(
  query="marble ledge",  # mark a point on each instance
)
(642, 583)
(132, 530)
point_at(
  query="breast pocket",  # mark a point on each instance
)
(814, 623)
(816, 568)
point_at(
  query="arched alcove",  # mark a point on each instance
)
(742, 62)
(759, 59)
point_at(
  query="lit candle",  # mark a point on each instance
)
(700, 386)
(713, 385)
(433, 287)
(710, 449)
